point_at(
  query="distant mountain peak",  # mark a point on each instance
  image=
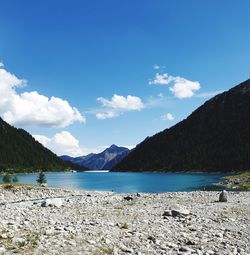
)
(103, 160)
(113, 146)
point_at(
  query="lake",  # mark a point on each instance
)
(127, 182)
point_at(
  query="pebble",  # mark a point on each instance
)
(103, 223)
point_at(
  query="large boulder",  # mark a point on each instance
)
(176, 210)
(223, 196)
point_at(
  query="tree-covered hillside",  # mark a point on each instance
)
(21, 152)
(215, 137)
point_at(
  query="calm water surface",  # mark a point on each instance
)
(126, 182)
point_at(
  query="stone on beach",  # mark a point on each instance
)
(104, 223)
(177, 210)
(223, 196)
(57, 202)
(128, 198)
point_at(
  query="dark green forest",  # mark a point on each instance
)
(20, 152)
(215, 137)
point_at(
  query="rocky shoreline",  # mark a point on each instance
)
(37, 220)
(240, 181)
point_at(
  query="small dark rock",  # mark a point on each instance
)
(128, 198)
(190, 242)
(167, 213)
(151, 238)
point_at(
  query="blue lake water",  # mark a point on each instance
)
(126, 182)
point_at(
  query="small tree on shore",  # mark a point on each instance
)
(15, 179)
(41, 178)
(6, 178)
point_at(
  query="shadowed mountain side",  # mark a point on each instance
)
(21, 152)
(215, 137)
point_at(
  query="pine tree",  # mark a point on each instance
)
(15, 179)
(41, 178)
(6, 178)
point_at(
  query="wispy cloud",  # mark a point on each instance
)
(109, 114)
(180, 87)
(157, 67)
(168, 117)
(209, 94)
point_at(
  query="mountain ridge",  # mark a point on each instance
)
(19, 151)
(215, 137)
(104, 160)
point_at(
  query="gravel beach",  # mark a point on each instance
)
(36, 220)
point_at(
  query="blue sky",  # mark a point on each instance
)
(76, 55)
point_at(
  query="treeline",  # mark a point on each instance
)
(215, 137)
(20, 152)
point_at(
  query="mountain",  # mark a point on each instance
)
(215, 137)
(101, 161)
(21, 152)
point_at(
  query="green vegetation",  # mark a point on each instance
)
(41, 178)
(214, 138)
(6, 179)
(239, 181)
(15, 179)
(20, 152)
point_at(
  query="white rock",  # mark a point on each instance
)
(2, 250)
(178, 210)
(57, 202)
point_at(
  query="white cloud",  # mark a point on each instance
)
(184, 88)
(161, 79)
(44, 140)
(123, 103)
(1, 65)
(106, 115)
(117, 105)
(32, 108)
(63, 143)
(181, 87)
(168, 117)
